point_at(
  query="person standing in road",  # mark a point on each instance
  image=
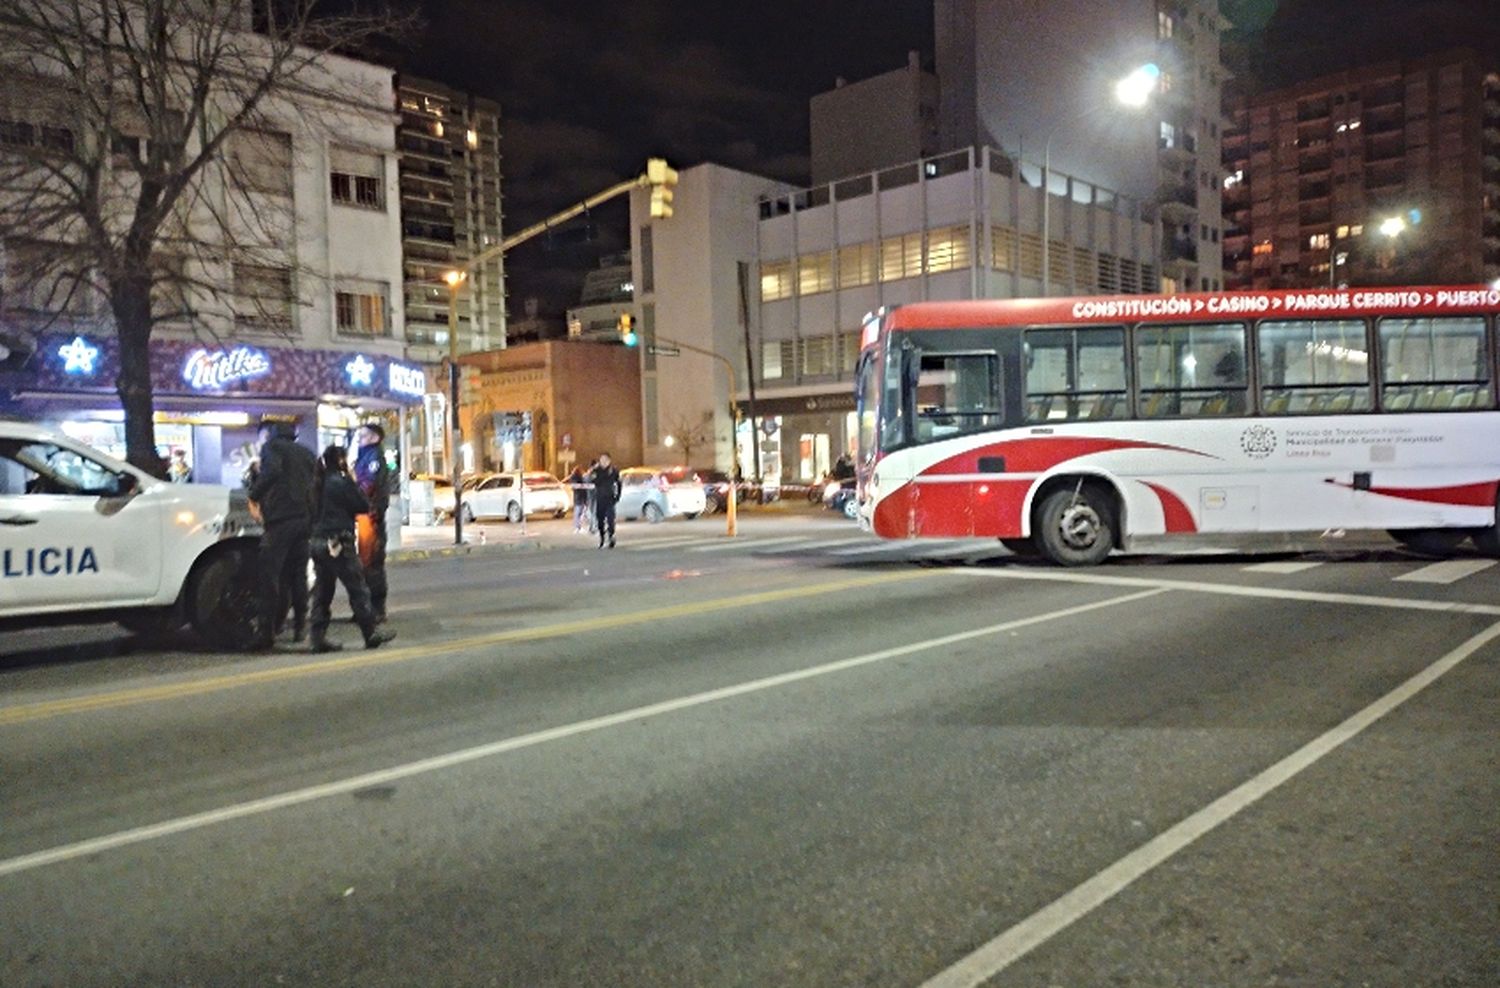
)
(374, 478)
(283, 491)
(606, 481)
(579, 484)
(335, 554)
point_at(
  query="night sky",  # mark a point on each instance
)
(590, 89)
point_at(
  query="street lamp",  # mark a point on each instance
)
(455, 441)
(1392, 226)
(1134, 91)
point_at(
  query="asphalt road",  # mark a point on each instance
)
(801, 758)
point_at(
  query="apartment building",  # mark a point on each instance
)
(1388, 173)
(1037, 81)
(450, 212)
(280, 300)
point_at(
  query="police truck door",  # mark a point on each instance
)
(73, 530)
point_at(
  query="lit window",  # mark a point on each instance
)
(775, 280)
(1342, 231)
(815, 273)
(472, 138)
(856, 265)
(1356, 230)
(1233, 179)
(360, 309)
(948, 249)
(1318, 241)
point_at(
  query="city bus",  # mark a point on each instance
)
(1067, 427)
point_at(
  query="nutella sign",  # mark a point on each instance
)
(208, 370)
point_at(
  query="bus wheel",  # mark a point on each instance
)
(1076, 527)
(1432, 541)
(1021, 547)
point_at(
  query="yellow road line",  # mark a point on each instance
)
(31, 712)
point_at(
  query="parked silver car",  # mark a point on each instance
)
(499, 495)
(649, 493)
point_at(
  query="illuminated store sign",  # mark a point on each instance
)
(213, 369)
(78, 357)
(408, 380)
(359, 371)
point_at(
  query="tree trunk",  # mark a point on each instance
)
(131, 301)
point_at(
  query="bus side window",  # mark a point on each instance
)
(1433, 365)
(1314, 365)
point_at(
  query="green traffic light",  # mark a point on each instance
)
(628, 338)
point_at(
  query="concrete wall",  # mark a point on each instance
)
(874, 123)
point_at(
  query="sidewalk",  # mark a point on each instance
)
(436, 541)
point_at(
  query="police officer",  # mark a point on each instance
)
(606, 481)
(374, 479)
(283, 490)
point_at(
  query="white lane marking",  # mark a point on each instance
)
(1285, 567)
(296, 797)
(1448, 571)
(872, 547)
(728, 543)
(1047, 922)
(1236, 590)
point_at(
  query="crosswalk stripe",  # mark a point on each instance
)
(860, 550)
(1448, 571)
(1283, 567)
(751, 544)
(676, 542)
(823, 544)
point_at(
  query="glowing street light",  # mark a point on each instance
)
(1392, 226)
(1133, 91)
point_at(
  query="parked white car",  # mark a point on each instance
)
(501, 495)
(85, 537)
(649, 493)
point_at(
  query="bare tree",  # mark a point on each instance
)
(691, 434)
(127, 128)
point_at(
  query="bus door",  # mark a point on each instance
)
(957, 400)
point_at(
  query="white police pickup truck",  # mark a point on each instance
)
(84, 537)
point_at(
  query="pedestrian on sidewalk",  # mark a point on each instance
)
(335, 553)
(374, 478)
(579, 483)
(282, 492)
(606, 481)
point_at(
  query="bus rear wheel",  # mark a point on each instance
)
(1432, 541)
(1076, 527)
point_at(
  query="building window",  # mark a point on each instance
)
(901, 257)
(356, 178)
(1003, 248)
(1318, 241)
(360, 309)
(856, 265)
(1031, 255)
(648, 261)
(1168, 135)
(815, 273)
(775, 280)
(42, 277)
(1164, 24)
(261, 161)
(948, 249)
(771, 368)
(263, 296)
(817, 356)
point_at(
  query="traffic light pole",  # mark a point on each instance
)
(455, 443)
(731, 513)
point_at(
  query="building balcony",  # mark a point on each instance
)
(1178, 202)
(1180, 252)
(1178, 152)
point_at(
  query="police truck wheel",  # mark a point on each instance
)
(513, 513)
(1076, 529)
(222, 599)
(652, 513)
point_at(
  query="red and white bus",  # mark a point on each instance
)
(1069, 426)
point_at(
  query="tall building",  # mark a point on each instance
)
(450, 212)
(1389, 173)
(608, 293)
(1036, 80)
(861, 126)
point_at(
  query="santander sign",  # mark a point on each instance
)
(211, 369)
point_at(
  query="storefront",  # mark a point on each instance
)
(210, 398)
(799, 436)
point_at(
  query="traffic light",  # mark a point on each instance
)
(627, 329)
(663, 180)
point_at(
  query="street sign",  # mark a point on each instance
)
(664, 351)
